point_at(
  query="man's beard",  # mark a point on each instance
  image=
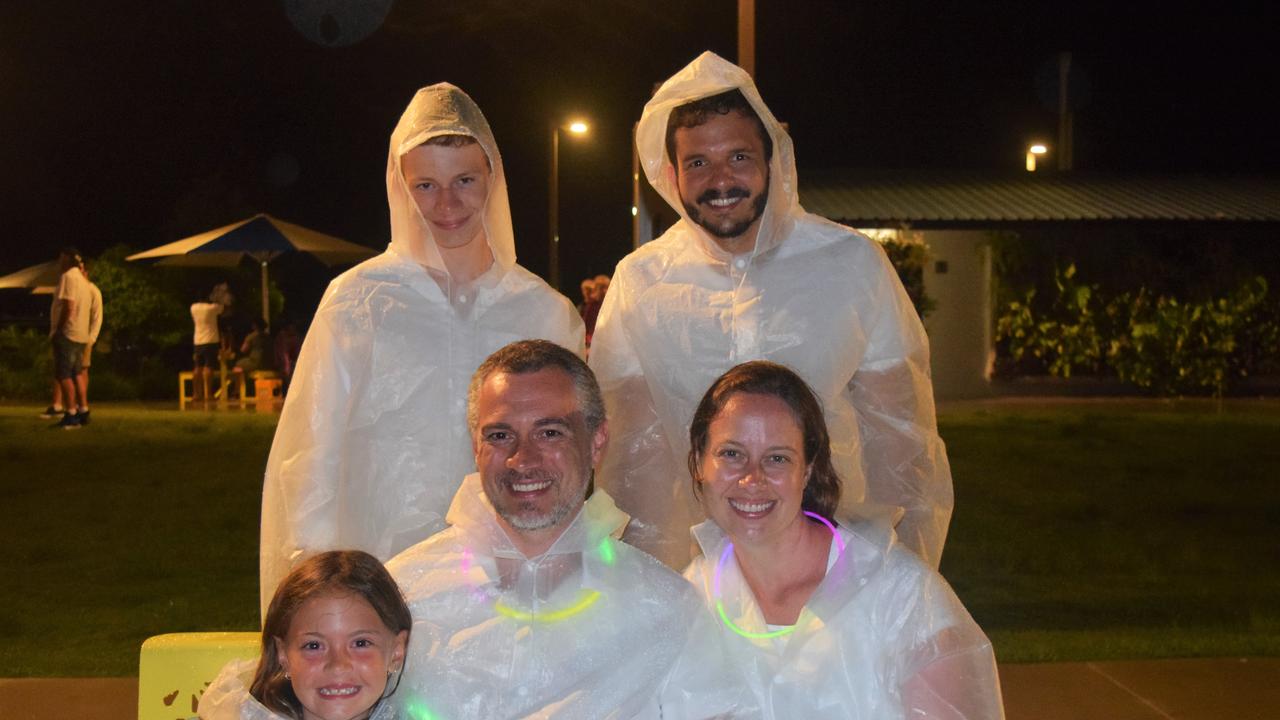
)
(731, 231)
(515, 512)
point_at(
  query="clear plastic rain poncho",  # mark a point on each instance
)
(882, 638)
(587, 630)
(228, 698)
(812, 295)
(373, 439)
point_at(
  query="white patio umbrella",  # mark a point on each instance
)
(260, 237)
(42, 279)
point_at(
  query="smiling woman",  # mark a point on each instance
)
(805, 617)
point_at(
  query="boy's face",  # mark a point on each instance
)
(450, 186)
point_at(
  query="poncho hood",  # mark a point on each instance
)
(710, 75)
(443, 109)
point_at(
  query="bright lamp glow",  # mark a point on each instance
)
(1033, 151)
(577, 127)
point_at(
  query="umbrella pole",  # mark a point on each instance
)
(266, 299)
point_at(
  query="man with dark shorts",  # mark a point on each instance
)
(69, 330)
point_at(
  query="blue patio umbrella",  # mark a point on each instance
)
(260, 237)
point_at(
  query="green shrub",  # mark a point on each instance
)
(908, 258)
(26, 364)
(1062, 339)
(1158, 343)
(1189, 348)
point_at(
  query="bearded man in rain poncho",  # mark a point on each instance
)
(528, 606)
(748, 274)
(372, 442)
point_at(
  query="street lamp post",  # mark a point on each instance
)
(579, 128)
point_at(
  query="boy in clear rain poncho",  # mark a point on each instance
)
(528, 606)
(372, 442)
(748, 274)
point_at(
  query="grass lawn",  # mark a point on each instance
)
(1084, 530)
(142, 523)
(1098, 530)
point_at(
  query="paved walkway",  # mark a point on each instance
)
(1216, 689)
(1238, 689)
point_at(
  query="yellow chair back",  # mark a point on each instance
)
(175, 669)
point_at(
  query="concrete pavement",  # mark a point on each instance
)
(1199, 689)
(1194, 689)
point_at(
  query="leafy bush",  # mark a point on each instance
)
(908, 256)
(26, 363)
(1157, 342)
(1181, 348)
(1062, 339)
(141, 316)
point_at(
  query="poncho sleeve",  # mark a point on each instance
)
(639, 468)
(305, 468)
(944, 662)
(904, 459)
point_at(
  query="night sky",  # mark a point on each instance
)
(144, 122)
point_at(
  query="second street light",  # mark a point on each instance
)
(576, 128)
(1034, 151)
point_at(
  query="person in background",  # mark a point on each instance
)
(285, 348)
(222, 295)
(601, 287)
(253, 350)
(56, 407)
(95, 328)
(587, 288)
(207, 343)
(591, 310)
(69, 331)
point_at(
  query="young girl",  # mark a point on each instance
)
(333, 645)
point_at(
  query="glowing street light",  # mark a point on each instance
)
(577, 128)
(1032, 151)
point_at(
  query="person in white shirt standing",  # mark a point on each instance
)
(69, 330)
(204, 313)
(56, 408)
(95, 327)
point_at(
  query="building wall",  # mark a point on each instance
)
(957, 276)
